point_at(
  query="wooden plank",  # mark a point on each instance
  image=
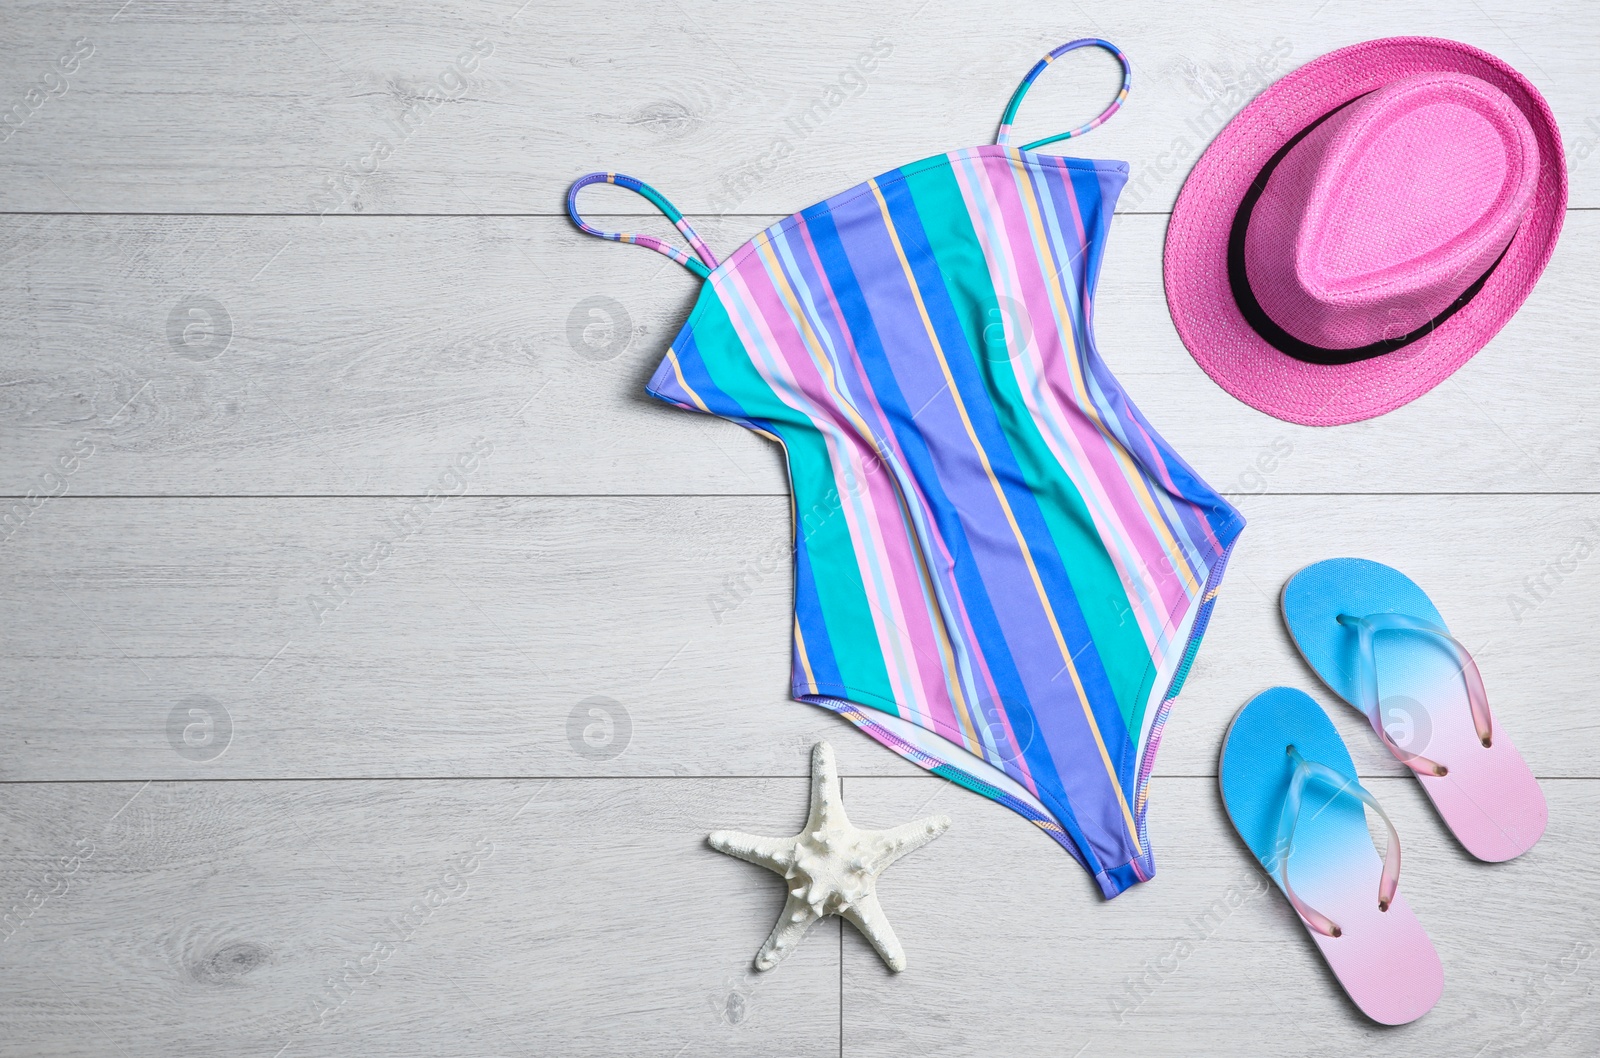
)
(282, 107)
(358, 492)
(261, 355)
(1024, 958)
(1515, 578)
(595, 921)
(637, 636)
(579, 917)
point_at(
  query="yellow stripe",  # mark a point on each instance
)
(1016, 530)
(774, 270)
(952, 682)
(1034, 210)
(785, 290)
(794, 530)
(805, 659)
(678, 371)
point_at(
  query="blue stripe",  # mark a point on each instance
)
(982, 412)
(914, 450)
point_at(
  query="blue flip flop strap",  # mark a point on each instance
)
(1367, 679)
(1289, 818)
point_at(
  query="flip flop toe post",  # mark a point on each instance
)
(1377, 640)
(1291, 792)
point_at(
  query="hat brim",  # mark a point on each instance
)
(1195, 268)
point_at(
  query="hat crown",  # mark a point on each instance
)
(1385, 212)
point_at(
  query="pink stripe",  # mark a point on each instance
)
(1085, 297)
(694, 240)
(1117, 514)
(896, 630)
(907, 484)
(911, 491)
(1086, 300)
(1110, 477)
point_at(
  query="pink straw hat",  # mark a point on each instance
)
(1363, 227)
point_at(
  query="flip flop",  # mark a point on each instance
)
(1378, 642)
(1291, 791)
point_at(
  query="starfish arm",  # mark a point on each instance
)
(797, 917)
(866, 914)
(826, 804)
(775, 854)
(889, 845)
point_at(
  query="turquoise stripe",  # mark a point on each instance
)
(980, 538)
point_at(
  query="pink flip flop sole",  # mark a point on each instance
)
(1291, 792)
(1487, 796)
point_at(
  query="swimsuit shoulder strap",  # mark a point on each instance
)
(701, 267)
(1004, 136)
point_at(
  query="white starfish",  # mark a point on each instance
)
(831, 867)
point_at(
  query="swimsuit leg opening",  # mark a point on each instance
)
(1055, 821)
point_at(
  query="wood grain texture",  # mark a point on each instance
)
(479, 642)
(725, 108)
(412, 650)
(207, 918)
(583, 918)
(363, 355)
(1208, 958)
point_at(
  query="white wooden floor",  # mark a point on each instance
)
(393, 523)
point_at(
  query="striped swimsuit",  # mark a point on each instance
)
(1002, 572)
